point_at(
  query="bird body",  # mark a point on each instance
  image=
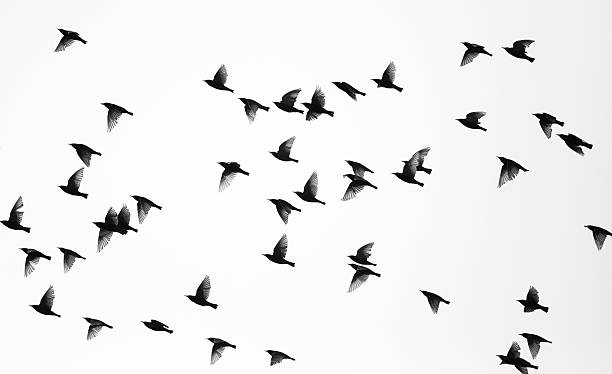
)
(546, 121)
(316, 106)
(157, 326)
(143, 205)
(309, 194)
(434, 300)
(287, 103)
(533, 342)
(363, 254)
(219, 346)
(575, 143)
(68, 37)
(279, 253)
(509, 170)
(283, 208)
(73, 184)
(219, 80)
(361, 275)
(69, 257)
(95, 325)
(349, 90)
(518, 50)
(251, 107)
(114, 112)
(202, 293)
(387, 79)
(15, 217)
(46, 303)
(32, 258)
(284, 150)
(532, 302)
(277, 356)
(84, 152)
(357, 185)
(472, 50)
(230, 170)
(472, 120)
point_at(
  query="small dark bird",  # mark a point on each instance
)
(532, 301)
(46, 303)
(123, 220)
(15, 217)
(143, 205)
(388, 77)
(518, 50)
(202, 293)
(280, 251)
(533, 341)
(68, 37)
(32, 259)
(471, 52)
(251, 107)
(513, 357)
(95, 325)
(412, 166)
(288, 101)
(155, 325)
(310, 190)
(283, 208)
(84, 152)
(349, 90)
(219, 346)
(599, 234)
(69, 257)
(471, 120)
(230, 169)
(546, 122)
(219, 80)
(434, 300)
(361, 275)
(284, 150)
(357, 185)
(575, 143)
(358, 169)
(277, 357)
(108, 227)
(316, 106)
(509, 170)
(74, 183)
(114, 112)
(363, 254)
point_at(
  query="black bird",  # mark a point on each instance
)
(277, 357)
(202, 293)
(546, 122)
(69, 257)
(599, 234)
(155, 325)
(349, 90)
(283, 208)
(123, 220)
(513, 357)
(288, 101)
(434, 300)
(95, 325)
(68, 37)
(84, 152)
(32, 259)
(230, 169)
(15, 217)
(310, 190)
(361, 275)
(143, 205)
(219, 80)
(74, 183)
(280, 251)
(388, 77)
(363, 253)
(518, 49)
(509, 170)
(108, 227)
(284, 150)
(532, 301)
(251, 107)
(412, 166)
(471, 52)
(316, 106)
(357, 185)
(114, 112)
(358, 169)
(471, 120)
(46, 303)
(533, 341)
(219, 346)
(575, 143)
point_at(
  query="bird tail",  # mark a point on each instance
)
(530, 59)
(487, 53)
(233, 346)
(245, 172)
(589, 146)
(47, 257)
(534, 367)
(169, 331)
(84, 195)
(26, 229)
(373, 186)
(399, 89)
(230, 90)
(322, 202)
(97, 153)
(428, 171)
(299, 210)
(300, 111)
(445, 301)
(482, 128)
(292, 264)
(132, 229)
(560, 123)
(130, 113)
(330, 113)
(294, 160)
(420, 184)
(377, 274)
(214, 306)
(545, 309)
(266, 108)
(360, 93)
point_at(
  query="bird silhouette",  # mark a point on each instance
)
(95, 325)
(412, 166)
(84, 152)
(434, 300)
(15, 217)
(599, 234)
(276, 357)
(114, 112)
(219, 80)
(283, 208)
(358, 168)
(546, 121)
(509, 170)
(202, 293)
(219, 346)
(472, 120)
(287, 102)
(513, 357)
(69, 257)
(46, 303)
(32, 257)
(251, 107)
(108, 227)
(284, 150)
(143, 205)
(230, 170)
(518, 50)
(349, 90)
(533, 341)
(575, 143)
(532, 301)
(388, 77)
(357, 185)
(74, 183)
(123, 220)
(280, 251)
(361, 275)
(362, 255)
(472, 50)
(68, 37)
(310, 190)
(155, 325)
(316, 106)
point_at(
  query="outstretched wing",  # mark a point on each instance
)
(112, 117)
(468, 57)
(203, 290)
(358, 279)
(283, 213)
(389, 74)
(312, 184)
(124, 216)
(68, 261)
(534, 347)
(290, 97)
(64, 43)
(142, 206)
(15, 215)
(47, 299)
(600, 238)
(514, 351)
(104, 236)
(280, 249)
(475, 116)
(250, 108)
(216, 353)
(532, 295)
(285, 147)
(312, 115)
(508, 173)
(111, 217)
(74, 182)
(318, 98)
(226, 178)
(352, 190)
(84, 155)
(522, 44)
(221, 75)
(547, 128)
(365, 251)
(30, 261)
(93, 331)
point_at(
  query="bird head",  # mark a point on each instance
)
(523, 334)
(34, 306)
(212, 340)
(72, 145)
(397, 174)
(466, 44)
(105, 104)
(502, 358)
(244, 101)
(209, 81)
(25, 250)
(502, 159)
(562, 136)
(507, 48)
(376, 80)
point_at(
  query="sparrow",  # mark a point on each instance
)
(279, 253)
(310, 190)
(15, 217)
(74, 183)
(230, 169)
(387, 79)
(68, 37)
(202, 293)
(532, 301)
(46, 303)
(288, 101)
(471, 52)
(219, 80)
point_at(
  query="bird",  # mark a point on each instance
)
(219, 346)
(279, 253)
(155, 325)
(358, 168)
(230, 169)
(276, 357)
(518, 49)
(310, 190)
(108, 227)
(471, 120)
(68, 37)
(509, 170)
(74, 183)
(46, 303)
(471, 52)
(357, 185)
(84, 152)
(513, 357)
(434, 300)
(123, 220)
(284, 150)
(288, 101)
(412, 166)
(219, 80)
(69, 257)
(15, 217)
(202, 293)
(362, 255)
(361, 275)
(316, 106)
(546, 122)
(599, 234)
(95, 325)
(575, 143)
(32, 258)
(251, 107)
(532, 301)
(533, 341)
(143, 205)
(349, 90)
(114, 112)
(283, 208)
(388, 77)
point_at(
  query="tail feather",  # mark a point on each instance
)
(130, 113)
(330, 113)
(530, 59)
(266, 108)
(214, 306)
(560, 123)
(399, 89)
(360, 93)
(170, 331)
(292, 264)
(26, 229)
(545, 309)
(589, 146)
(428, 171)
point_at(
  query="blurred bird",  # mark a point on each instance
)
(412, 166)
(471, 52)
(532, 301)
(388, 77)
(283, 208)
(575, 143)
(68, 37)
(15, 217)
(123, 220)
(513, 357)
(284, 150)
(143, 205)
(219, 346)
(349, 90)
(546, 122)
(363, 253)
(230, 169)
(357, 185)
(84, 152)
(114, 112)
(32, 257)
(599, 234)
(251, 107)
(219, 80)
(533, 341)
(361, 275)
(518, 49)
(358, 169)
(434, 300)
(471, 120)
(509, 170)
(202, 293)
(108, 227)
(69, 258)
(316, 106)
(288, 101)
(46, 303)
(280, 251)
(95, 325)
(310, 190)
(74, 183)
(277, 357)
(155, 325)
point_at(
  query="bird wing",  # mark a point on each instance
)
(522, 44)
(534, 347)
(47, 298)
(389, 74)
(250, 108)
(522, 369)
(358, 169)
(114, 112)
(85, 155)
(475, 116)
(285, 147)
(280, 249)
(226, 178)
(31, 260)
(600, 238)
(290, 97)
(358, 279)
(283, 213)
(104, 236)
(365, 251)
(468, 57)
(74, 182)
(217, 351)
(15, 215)
(93, 331)
(434, 302)
(68, 261)
(514, 351)
(142, 206)
(547, 128)
(311, 115)
(124, 216)
(508, 173)
(221, 75)
(415, 161)
(532, 295)
(352, 190)
(318, 98)
(277, 357)
(64, 42)
(203, 290)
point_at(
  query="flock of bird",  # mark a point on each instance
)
(120, 223)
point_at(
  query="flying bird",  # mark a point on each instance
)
(219, 80)
(518, 50)
(363, 254)
(532, 301)
(361, 275)
(471, 52)
(251, 107)
(283, 208)
(277, 357)
(287, 102)
(143, 205)
(202, 293)
(108, 227)
(46, 303)
(533, 341)
(74, 183)
(95, 325)
(155, 325)
(357, 185)
(284, 150)
(546, 121)
(68, 37)
(349, 90)
(434, 300)
(575, 143)
(114, 112)
(219, 346)
(513, 357)
(15, 217)
(316, 106)
(123, 220)
(280, 251)
(509, 170)
(472, 120)
(358, 168)
(599, 234)
(84, 152)
(387, 79)
(230, 169)
(32, 258)
(310, 190)
(69, 257)
(412, 166)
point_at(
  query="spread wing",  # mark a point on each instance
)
(522, 44)
(312, 185)
(532, 295)
(277, 357)
(15, 215)
(389, 74)
(47, 299)
(475, 116)
(84, 155)
(285, 147)
(547, 128)
(280, 250)
(365, 251)
(434, 303)
(318, 98)
(358, 279)
(112, 117)
(111, 217)
(203, 290)
(352, 190)
(283, 213)
(358, 169)
(143, 206)
(468, 57)
(250, 108)
(312, 115)
(226, 178)
(216, 353)
(221, 75)
(74, 182)
(68, 261)
(600, 238)
(93, 331)
(124, 216)
(31, 260)
(290, 97)
(64, 43)
(515, 351)
(104, 236)
(508, 173)
(534, 347)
